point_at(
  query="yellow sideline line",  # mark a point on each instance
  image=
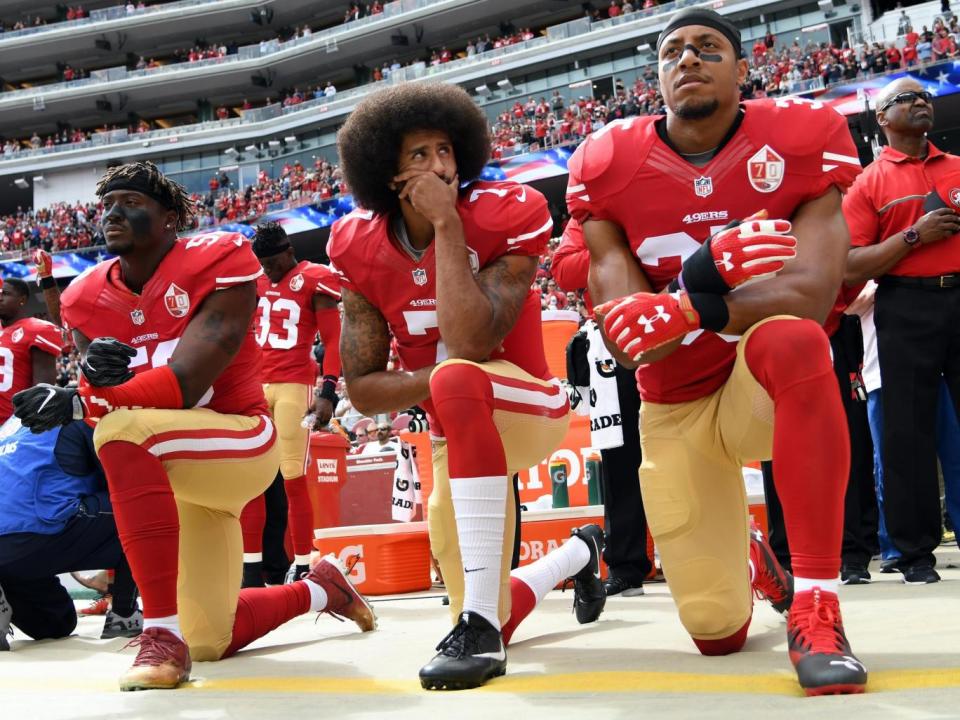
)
(520, 684)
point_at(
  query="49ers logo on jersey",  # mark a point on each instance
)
(176, 300)
(296, 282)
(765, 170)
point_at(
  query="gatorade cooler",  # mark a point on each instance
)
(558, 327)
(393, 558)
(326, 474)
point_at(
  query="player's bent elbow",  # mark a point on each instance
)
(474, 352)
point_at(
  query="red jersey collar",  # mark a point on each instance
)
(888, 153)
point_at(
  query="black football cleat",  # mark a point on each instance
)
(470, 654)
(589, 596)
(818, 646)
(771, 581)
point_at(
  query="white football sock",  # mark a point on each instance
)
(301, 559)
(479, 504)
(252, 557)
(545, 574)
(803, 584)
(318, 596)
(170, 622)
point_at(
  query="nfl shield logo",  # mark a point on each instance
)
(420, 276)
(138, 317)
(177, 301)
(703, 186)
(765, 170)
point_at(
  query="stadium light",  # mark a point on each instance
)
(290, 139)
(644, 48)
(21, 183)
(251, 148)
(39, 180)
(230, 151)
(482, 90)
(274, 144)
(505, 85)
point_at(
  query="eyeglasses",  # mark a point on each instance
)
(910, 96)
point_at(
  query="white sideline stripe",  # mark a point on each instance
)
(39, 338)
(526, 236)
(328, 290)
(245, 278)
(575, 188)
(529, 397)
(828, 168)
(842, 158)
(214, 444)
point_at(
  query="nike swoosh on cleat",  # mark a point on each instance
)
(500, 655)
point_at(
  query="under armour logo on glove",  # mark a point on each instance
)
(641, 322)
(742, 251)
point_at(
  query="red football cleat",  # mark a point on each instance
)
(818, 646)
(770, 581)
(97, 607)
(343, 600)
(162, 663)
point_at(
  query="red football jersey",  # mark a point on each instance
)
(287, 325)
(785, 153)
(499, 218)
(98, 304)
(16, 364)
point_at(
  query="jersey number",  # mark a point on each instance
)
(288, 323)
(419, 321)
(6, 369)
(161, 356)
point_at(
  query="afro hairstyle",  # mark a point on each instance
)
(369, 142)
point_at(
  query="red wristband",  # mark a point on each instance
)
(154, 388)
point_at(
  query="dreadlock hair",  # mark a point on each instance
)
(19, 286)
(146, 177)
(270, 239)
(369, 142)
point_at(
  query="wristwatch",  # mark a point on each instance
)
(910, 236)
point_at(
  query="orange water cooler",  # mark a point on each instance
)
(326, 474)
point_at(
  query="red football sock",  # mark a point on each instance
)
(523, 601)
(147, 523)
(252, 520)
(299, 515)
(811, 442)
(724, 646)
(260, 610)
(463, 397)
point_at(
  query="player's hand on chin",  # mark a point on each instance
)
(643, 321)
(44, 407)
(431, 196)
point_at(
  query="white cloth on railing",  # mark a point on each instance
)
(406, 484)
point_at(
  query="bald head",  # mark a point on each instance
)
(894, 88)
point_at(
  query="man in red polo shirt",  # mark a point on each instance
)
(902, 214)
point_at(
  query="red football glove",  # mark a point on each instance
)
(44, 263)
(753, 248)
(643, 321)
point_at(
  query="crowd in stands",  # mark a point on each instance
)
(64, 13)
(61, 226)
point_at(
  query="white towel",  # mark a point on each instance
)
(406, 484)
(606, 425)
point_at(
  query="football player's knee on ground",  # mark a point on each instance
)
(711, 619)
(782, 353)
(459, 380)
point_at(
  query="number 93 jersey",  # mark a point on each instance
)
(783, 154)
(98, 304)
(499, 218)
(286, 323)
(16, 365)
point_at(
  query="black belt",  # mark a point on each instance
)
(937, 282)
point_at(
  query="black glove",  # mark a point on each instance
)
(44, 407)
(106, 362)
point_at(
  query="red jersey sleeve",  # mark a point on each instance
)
(840, 161)
(518, 212)
(571, 261)
(227, 257)
(343, 246)
(46, 337)
(860, 214)
(324, 281)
